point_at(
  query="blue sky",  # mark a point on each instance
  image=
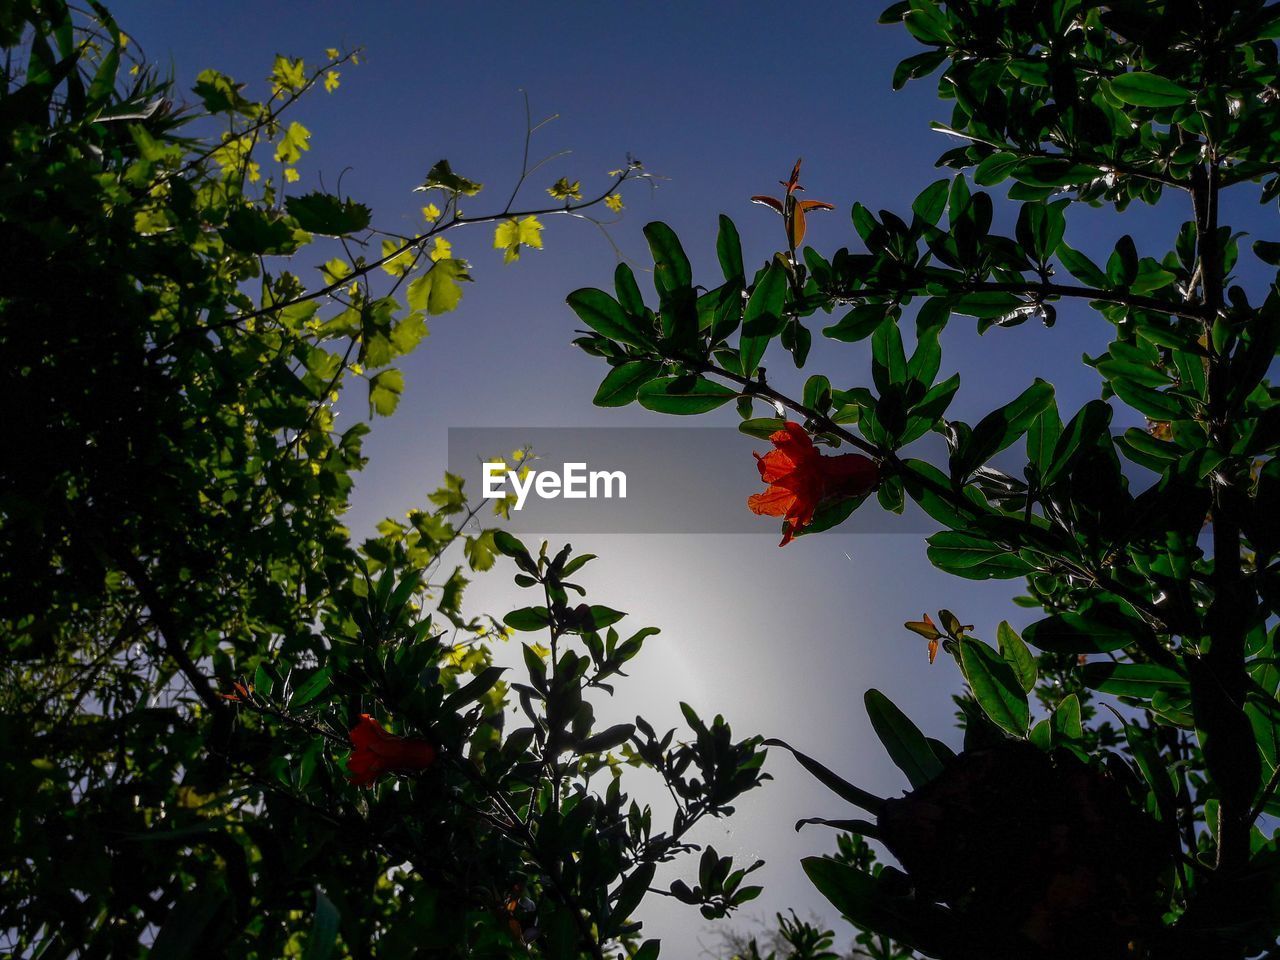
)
(719, 100)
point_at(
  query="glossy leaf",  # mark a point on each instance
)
(907, 746)
(995, 686)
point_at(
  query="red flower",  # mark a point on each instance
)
(800, 478)
(376, 752)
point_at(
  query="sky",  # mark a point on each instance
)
(717, 100)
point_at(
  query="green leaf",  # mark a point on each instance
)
(528, 619)
(1074, 633)
(606, 740)
(1153, 771)
(438, 290)
(602, 616)
(1040, 228)
(671, 269)
(629, 296)
(1000, 428)
(762, 320)
(862, 898)
(324, 929)
(1016, 654)
(858, 324)
(932, 201)
(442, 177)
(987, 304)
(973, 557)
(836, 784)
(761, 427)
(1149, 90)
(328, 215)
(995, 686)
(817, 393)
(1089, 426)
(385, 389)
(907, 746)
(922, 481)
(629, 894)
(310, 688)
(930, 409)
(475, 688)
(252, 231)
(605, 316)
(1042, 437)
(184, 928)
(1267, 251)
(729, 251)
(620, 386)
(1066, 722)
(1132, 679)
(509, 546)
(683, 396)
(888, 359)
(1082, 268)
(995, 168)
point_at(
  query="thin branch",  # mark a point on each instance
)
(418, 242)
(1043, 290)
(170, 633)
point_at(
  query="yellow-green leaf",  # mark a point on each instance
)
(562, 189)
(510, 235)
(438, 290)
(384, 392)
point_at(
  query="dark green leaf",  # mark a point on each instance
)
(1149, 90)
(684, 395)
(605, 316)
(620, 386)
(995, 686)
(762, 320)
(328, 215)
(1132, 679)
(1075, 633)
(1002, 427)
(671, 270)
(907, 746)
(528, 619)
(1066, 719)
(836, 784)
(1016, 654)
(858, 324)
(974, 558)
(729, 251)
(324, 929)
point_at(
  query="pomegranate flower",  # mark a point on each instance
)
(792, 208)
(800, 478)
(375, 752)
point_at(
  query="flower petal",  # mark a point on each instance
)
(774, 502)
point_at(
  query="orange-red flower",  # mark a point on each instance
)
(800, 478)
(792, 208)
(375, 752)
